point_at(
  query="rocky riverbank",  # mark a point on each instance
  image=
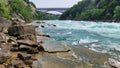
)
(22, 47)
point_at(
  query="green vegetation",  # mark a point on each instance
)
(94, 10)
(18, 6)
(117, 13)
(23, 9)
(4, 10)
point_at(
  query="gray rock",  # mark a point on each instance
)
(4, 56)
(24, 56)
(16, 63)
(51, 45)
(113, 63)
(28, 49)
(28, 42)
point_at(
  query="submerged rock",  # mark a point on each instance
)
(42, 34)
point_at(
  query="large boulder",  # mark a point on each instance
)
(23, 32)
(16, 31)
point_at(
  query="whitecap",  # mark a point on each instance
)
(87, 40)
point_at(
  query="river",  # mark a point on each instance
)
(98, 36)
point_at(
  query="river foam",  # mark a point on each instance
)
(99, 36)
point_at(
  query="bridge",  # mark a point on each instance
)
(61, 10)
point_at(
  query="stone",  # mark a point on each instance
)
(16, 63)
(30, 29)
(2, 66)
(21, 30)
(5, 30)
(3, 38)
(40, 48)
(28, 42)
(28, 49)
(16, 31)
(51, 61)
(40, 22)
(16, 17)
(28, 36)
(14, 49)
(42, 34)
(3, 56)
(24, 56)
(5, 22)
(113, 63)
(12, 40)
(25, 48)
(51, 45)
(29, 62)
(42, 26)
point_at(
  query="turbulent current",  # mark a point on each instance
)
(99, 36)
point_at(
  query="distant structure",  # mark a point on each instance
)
(47, 10)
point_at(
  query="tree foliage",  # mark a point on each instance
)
(18, 6)
(4, 10)
(93, 10)
(117, 13)
(24, 8)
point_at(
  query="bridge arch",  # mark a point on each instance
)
(54, 12)
(49, 10)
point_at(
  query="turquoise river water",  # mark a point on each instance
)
(98, 36)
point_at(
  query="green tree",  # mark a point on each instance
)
(4, 9)
(18, 6)
(117, 13)
(92, 14)
(93, 10)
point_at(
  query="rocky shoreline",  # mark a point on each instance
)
(22, 47)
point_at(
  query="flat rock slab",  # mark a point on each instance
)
(51, 45)
(49, 61)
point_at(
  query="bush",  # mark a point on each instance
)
(4, 10)
(18, 6)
